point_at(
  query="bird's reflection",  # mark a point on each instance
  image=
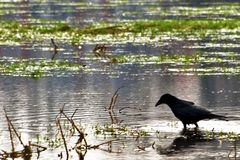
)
(187, 139)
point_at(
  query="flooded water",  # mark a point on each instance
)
(213, 82)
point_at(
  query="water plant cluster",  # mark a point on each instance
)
(15, 32)
(197, 63)
(142, 31)
(37, 68)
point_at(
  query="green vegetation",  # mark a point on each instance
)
(211, 135)
(118, 130)
(181, 63)
(231, 136)
(163, 58)
(12, 31)
(36, 69)
(141, 31)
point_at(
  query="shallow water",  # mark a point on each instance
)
(32, 104)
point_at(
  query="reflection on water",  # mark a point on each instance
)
(190, 142)
(186, 141)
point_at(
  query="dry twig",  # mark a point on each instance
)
(113, 100)
(15, 131)
(63, 138)
(55, 48)
(27, 150)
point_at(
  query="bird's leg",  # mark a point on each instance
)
(196, 125)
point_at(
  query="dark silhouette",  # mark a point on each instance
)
(186, 140)
(186, 111)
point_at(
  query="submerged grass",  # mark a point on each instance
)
(163, 58)
(211, 135)
(12, 31)
(178, 59)
(36, 69)
(134, 31)
(197, 63)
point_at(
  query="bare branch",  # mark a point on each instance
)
(63, 138)
(114, 100)
(55, 48)
(15, 131)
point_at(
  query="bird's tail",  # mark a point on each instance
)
(220, 117)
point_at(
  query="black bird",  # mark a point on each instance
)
(186, 111)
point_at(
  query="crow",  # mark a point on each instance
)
(186, 111)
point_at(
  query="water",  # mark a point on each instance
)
(32, 104)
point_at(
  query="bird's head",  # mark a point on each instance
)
(165, 99)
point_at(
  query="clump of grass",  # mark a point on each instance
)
(36, 68)
(119, 130)
(211, 135)
(186, 59)
(146, 26)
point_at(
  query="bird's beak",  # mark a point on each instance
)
(158, 103)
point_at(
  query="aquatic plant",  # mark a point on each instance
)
(15, 32)
(196, 63)
(119, 130)
(36, 68)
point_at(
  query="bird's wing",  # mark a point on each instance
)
(188, 112)
(187, 102)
